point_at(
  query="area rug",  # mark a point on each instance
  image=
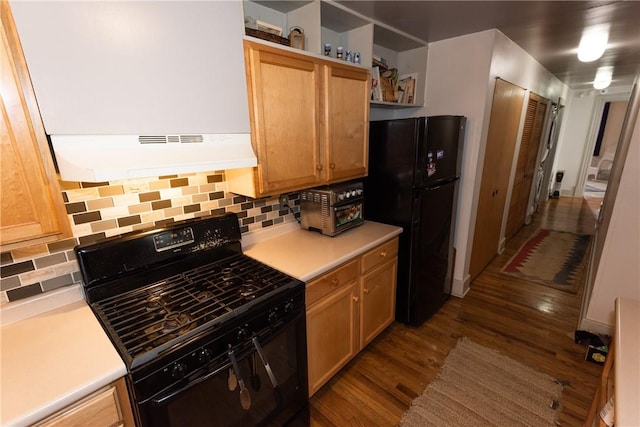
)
(478, 386)
(551, 258)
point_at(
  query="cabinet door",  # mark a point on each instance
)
(332, 335)
(347, 130)
(501, 141)
(378, 301)
(284, 93)
(32, 207)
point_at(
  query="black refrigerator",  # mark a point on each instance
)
(414, 174)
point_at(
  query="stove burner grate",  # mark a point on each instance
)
(147, 318)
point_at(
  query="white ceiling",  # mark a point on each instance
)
(549, 31)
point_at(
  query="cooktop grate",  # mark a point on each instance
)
(147, 320)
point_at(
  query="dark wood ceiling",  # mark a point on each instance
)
(549, 31)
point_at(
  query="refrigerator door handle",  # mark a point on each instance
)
(440, 184)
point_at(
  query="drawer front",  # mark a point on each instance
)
(379, 255)
(335, 279)
(99, 409)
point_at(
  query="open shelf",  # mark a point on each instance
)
(325, 21)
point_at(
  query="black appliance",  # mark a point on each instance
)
(209, 336)
(414, 172)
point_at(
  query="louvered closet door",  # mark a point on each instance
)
(527, 163)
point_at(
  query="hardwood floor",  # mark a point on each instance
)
(528, 322)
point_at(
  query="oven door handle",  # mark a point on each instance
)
(276, 389)
(348, 202)
(265, 362)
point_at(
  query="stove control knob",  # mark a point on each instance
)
(178, 370)
(204, 355)
(289, 306)
(242, 335)
(273, 316)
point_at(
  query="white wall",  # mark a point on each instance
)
(457, 83)
(619, 270)
(573, 139)
(461, 76)
(512, 63)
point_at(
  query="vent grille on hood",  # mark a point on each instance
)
(164, 139)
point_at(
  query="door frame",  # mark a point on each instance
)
(593, 136)
(606, 210)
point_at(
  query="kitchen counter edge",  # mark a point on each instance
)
(305, 254)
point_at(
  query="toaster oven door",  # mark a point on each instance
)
(348, 215)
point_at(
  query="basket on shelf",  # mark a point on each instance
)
(266, 36)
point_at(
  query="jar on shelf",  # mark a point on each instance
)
(327, 49)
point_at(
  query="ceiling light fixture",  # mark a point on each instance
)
(593, 43)
(603, 78)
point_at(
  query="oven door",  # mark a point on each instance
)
(214, 399)
(347, 215)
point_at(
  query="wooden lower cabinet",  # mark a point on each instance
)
(347, 308)
(378, 301)
(107, 407)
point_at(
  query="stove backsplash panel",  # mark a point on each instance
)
(98, 210)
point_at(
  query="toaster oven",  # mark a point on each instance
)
(331, 210)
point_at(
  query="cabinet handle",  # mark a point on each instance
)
(383, 254)
(332, 165)
(334, 281)
(355, 299)
(365, 291)
(319, 167)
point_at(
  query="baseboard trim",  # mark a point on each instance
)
(595, 326)
(460, 288)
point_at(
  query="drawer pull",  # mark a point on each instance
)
(365, 291)
(383, 254)
(334, 281)
(355, 299)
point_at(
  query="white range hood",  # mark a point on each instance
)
(108, 73)
(101, 158)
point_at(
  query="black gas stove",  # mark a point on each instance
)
(188, 311)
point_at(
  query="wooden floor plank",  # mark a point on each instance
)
(528, 322)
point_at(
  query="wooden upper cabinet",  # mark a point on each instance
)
(347, 127)
(284, 94)
(309, 122)
(32, 206)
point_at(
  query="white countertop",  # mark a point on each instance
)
(52, 360)
(627, 363)
(306, 254)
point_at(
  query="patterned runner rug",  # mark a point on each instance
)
(480, 387)
(552, 258)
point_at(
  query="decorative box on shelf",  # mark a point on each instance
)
(266, 36)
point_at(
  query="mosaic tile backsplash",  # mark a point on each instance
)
(99, 210)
